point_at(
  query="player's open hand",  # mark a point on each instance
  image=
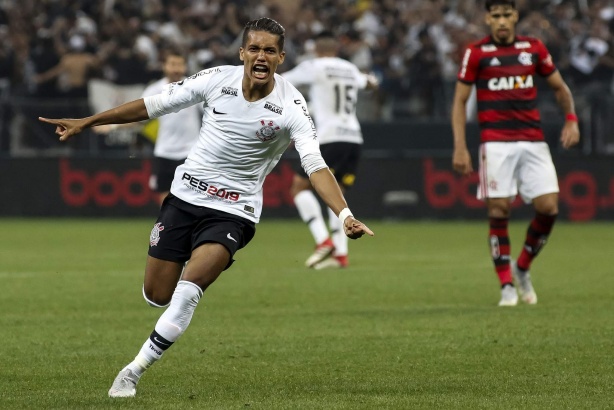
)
(570, 135)
(354, 229)
(461, 161)
(65, 127)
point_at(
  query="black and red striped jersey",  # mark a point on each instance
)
(504, 76)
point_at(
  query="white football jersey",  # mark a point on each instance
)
(333, 92)
(177, 132)
(240, 142)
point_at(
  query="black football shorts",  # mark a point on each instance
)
(342, 159)
(182, 227)
(162, 173)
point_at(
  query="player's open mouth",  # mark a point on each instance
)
(260, 71)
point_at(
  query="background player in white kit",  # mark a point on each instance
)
(251, 116)
(333, 93)
(177, 132)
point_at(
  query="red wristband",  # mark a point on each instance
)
(571, 117)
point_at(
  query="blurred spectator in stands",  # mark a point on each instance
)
(213, 55)
(355, 50)
(125, 65)
(73, 71)
(426, 86)
(7, 73)
(588, 55)
(43, 57)
(7, 56)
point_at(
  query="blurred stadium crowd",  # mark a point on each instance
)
(50, 49)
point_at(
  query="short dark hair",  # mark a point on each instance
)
(491, 3)
(173, 52)
(268, 25)
(325, 35)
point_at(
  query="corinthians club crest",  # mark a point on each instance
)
(154, 237)
(267, 131)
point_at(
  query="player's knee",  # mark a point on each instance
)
(547, 204)
(498, 212)
(550, 208)
(498, 209)
(154, 300)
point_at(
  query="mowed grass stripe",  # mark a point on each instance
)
(412, 323)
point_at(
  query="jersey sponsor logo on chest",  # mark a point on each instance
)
(208, 189)
(230, 91)
(522, 44)
(510, 83)
(272, 107)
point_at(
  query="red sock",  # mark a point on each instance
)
(537, 235)
(499, 242)
(328, 242)
(343, 260)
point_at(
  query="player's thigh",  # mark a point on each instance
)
(208, 261)
(342, 158)
(497, 170)
(215, 241)
(160, 280)
(171, 236)
(536, 174)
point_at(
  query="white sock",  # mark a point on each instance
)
(340, 240)
(311, 213)
(173, 322)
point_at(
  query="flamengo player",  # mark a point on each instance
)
(514, 158)
(251, 116)
(333, 92)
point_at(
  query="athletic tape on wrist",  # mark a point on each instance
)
(345, 212)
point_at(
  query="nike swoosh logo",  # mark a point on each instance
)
(160, 341)
(231, 238)
(217, 112)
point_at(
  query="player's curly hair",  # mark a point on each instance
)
(265, 24)
(491, 3)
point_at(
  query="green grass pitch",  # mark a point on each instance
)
(412, 323)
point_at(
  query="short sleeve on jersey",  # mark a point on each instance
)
(545, 66)
(468, 70)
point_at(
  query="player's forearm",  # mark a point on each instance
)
(132, 111)
(565, 99)
(459, 122)
(327, 188)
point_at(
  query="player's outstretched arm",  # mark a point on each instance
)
(327, 188)
(132, 111)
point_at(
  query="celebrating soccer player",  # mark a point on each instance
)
(251, 116)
